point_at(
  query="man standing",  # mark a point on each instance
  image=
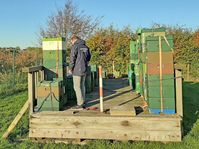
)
(79, 59)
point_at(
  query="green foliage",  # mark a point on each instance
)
(110, 46)
(8, 87)
(11, 83)
(186, 50)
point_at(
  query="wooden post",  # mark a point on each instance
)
(16, 120)
(101, 88)
(42, 75)
(179, 102)
(31, 91)
(36, 77)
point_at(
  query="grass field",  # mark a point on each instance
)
(10, 106)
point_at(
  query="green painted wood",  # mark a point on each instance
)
(168, 92)
(133, 48)
(154, 80)
(168, 103)
(146, 30)
(152, 44)
(53, 54)
(88, 84)
(70, 89)
(54, 39)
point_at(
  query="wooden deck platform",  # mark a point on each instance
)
(130, 122)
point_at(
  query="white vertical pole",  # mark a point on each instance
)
(161, 77)
(101, 88)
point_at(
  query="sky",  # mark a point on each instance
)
(20, 20)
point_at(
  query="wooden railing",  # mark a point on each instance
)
(35, 74)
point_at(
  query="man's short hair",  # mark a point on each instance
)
(74, 37)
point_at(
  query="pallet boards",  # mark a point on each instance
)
(147, 128)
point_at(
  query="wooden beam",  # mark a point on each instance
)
(16, 120)
(123, 111)
(179, 102)
(173, 136)
(32, 69)
(31, 91)
(108, 123)
(151, 128)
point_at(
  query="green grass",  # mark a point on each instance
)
(9, 107)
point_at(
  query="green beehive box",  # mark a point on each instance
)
(134, 61)
(133, 81)
(50, 95)
(154, 80)
(137, 85)
(136, 69)
(88, 83)
(155, 103)
(94, 70)
(52, 64)
(133, 49)
(146, 30)
(131, 67)
(54, 57)
(92, 81)
(50, 104)
(134, 56)
(54, 54)
(50, 74)
(131, 75)
(168, 92)
(152, 43)
(70, 89)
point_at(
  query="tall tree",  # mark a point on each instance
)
(69, 20)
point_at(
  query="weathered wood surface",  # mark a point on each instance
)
(106, 127)
(179, 100)
(31, 91)
(32, 69)
(123, 111)
(16, 120)
(116, 93)
(90, 124)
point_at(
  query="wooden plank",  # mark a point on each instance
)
(35, 68)
(41, 75)
(31, 91)
(179, 102)
(16, 120)
(32, 69)
(106, 134)
(108, 123)
(96, 114)
(123, 111)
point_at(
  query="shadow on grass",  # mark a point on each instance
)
(190, 105)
